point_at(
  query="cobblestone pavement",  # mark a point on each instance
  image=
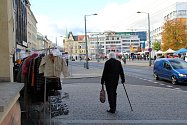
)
(79, 72)
(151, 105)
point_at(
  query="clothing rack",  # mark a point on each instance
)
(47, 50)
(45, 89)
(44, 106)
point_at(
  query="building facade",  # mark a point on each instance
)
(20, 7)
(119, 42)
(10, 92)
(7, 41)
(31, 29)
(176, 11)
(100, 44)
(21, 23)
(72, 44)
(97, 48)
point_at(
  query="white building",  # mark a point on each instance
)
(97, 42)
(175, 11)
(130, 40)
(119, 42)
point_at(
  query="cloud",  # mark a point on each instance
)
(113, 16)
(120, 17)
(45, 25)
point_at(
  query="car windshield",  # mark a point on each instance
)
(178, 64)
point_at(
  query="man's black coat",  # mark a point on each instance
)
(112, 70)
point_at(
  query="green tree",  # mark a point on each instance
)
(156, 45)
(174, 35)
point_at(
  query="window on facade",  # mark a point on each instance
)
(126, 44)
(174, 13)
(136, 44)
(125, 47)
(170, 15)
(182, 12)
(134, 40)
(125, 40)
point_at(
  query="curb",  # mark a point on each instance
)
(82, 77)
(137, 65)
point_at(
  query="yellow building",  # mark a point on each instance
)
(7, 41)
(70, 45)
(76, 46)
(81, 46)
(10, 109)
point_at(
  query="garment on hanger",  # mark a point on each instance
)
(26, 63)
(39, 78)
(37, 71)
(53, 66)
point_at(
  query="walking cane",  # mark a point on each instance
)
(127, 96)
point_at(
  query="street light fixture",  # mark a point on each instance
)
(149, 36)
(86, 40)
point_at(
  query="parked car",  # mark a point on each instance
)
(172, 69)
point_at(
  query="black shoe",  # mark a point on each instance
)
(111, 111)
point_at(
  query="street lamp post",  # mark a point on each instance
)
(86, 40)
(148, 36)
(98, 52)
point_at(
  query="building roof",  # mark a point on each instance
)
(70, 33)
(75, 38)
(80, 37)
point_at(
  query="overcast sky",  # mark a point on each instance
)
(56, 16)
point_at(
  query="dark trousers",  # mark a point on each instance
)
(67, 62)
(112, 95)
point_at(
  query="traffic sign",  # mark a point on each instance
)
(150, 49)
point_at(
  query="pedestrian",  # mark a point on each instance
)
(124, 59)
(110, 77)
(16, 68)
(66, 58)
(155, 57)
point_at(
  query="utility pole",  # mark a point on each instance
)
(97, 50)
(87, 67)
(149, 35)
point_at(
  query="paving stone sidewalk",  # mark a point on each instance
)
(80, 71)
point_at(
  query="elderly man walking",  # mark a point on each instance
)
(110, 77)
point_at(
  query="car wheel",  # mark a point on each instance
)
(174, 80)
(155, 76)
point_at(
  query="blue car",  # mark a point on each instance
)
(172, 69)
